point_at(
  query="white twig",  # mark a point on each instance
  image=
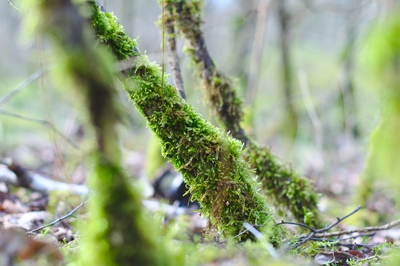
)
(42, 184)
(260, 236)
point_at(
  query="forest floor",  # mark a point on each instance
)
(54, 219)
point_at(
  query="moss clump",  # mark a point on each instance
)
(287, 189)
(208, 159)
(112, 34)
(282, 185)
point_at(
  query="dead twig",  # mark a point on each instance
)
(361, 230)
(24, 83)
(59, 219)
(11, 4)
(316, 232)
(18, 175)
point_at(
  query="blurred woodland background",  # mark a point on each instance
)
(296, 63)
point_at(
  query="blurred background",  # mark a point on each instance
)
(296, 64)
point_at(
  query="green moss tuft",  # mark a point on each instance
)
(284, 187)
(112, 34)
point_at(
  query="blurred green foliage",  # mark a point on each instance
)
(382, 56)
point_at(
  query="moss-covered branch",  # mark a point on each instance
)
(208, 159)
(118, 232)
(287, 189)
(223, 98)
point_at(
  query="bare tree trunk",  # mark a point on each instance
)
(291, 118)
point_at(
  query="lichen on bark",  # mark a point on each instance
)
(208, 159)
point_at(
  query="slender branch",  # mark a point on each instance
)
(298, 224)
(58, 220)
(168, 23)
(348, 237)
(11, 4)
(319, 235)
(43, 122)
(222, 97)
(338, 243)
(361, 230)
(316, 232)
(24, 84)
(252, 82)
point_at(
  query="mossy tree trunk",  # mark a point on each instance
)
(287, 189)
(208, 159)
(118, 232)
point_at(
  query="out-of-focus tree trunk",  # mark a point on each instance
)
(347, 85)
(291, 117)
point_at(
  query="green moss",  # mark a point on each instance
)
(222, 96)
(119, 231)
(286, 189)
(208, 159)
(113, 34)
